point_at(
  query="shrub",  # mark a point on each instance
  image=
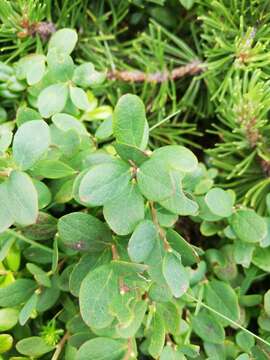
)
(109, 248)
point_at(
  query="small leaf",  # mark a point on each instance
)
(188, 254)
(142, 241)
(131, 153)
(219, 202)
(33, 346)
(64, 40)
(175, 274)
(187, 3)
(129, 121)
(157, 338)
(98, 315)
(221, 297)
(130, 329)
(67, 122)
(84, 232)
(124, 212)
(248, 225)
(86, 76)
(52, 169)
(6, 216)
(17, 292)
(28, 309)
(176, 157)
(154, 181)
(261, 258)
(244, 340)
(79, 98)
(102, 348)
(208, 328)
(23, 205)
(31, 142)
(40, 275)
(8, 318)
(52, 99)
(6, 342)
(104, 182)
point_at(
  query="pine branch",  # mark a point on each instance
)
(193, 68)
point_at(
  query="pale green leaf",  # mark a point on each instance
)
(129, 121)
(84, 232)
(219, 202)
(64, 40)
(31, 142)
(104, 182)
(102, 348)
(52, 99)
(142, 241)
(125, 211)
(248, 225)
(175, 274)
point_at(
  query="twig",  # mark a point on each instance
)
(192, 68)
(60, 346)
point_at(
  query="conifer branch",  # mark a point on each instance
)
(193, 68)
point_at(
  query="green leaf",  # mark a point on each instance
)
(244, 340)
(124, 212)
(44, 228)
(28, 309)
(23, 205)
(8, 318)
(154, 181)
(52, 169)
(128, 330)
(261, 258)
(104, 182)
(33, 346)
(175, 274)
(67, 122)
(267, 302)
(6, 342)
(40, 275)
(52, 99)
(179, 203)
(31, 67)
(169, 353)
(86, 76)
(188, 254)
(6, 216)
(17, 292)
(31, 142)
(79, 98)
(248, 225)
(102, 349)
(60, 66)
(142, 241)
(131, 153)
(129, 122)
(221, 297)
(219, 202)
(84, 232)
(98, 288)
(176, 157)
(25, 114)
(187, 3)
(82, 268)
(208, 328)
(157, 338)
(64, 40)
